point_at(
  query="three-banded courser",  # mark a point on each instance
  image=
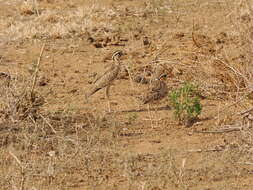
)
(158, 88)
(106, 79)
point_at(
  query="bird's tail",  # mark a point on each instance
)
(90, 93)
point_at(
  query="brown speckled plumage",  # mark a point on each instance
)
(158, 91)
(106, 79)
(158, 88)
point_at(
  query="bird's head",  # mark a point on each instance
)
(162, 72)
(162, 76)
(116, 55)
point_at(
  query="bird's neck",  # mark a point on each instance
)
(117, 62)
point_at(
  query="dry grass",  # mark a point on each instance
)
(50, 139)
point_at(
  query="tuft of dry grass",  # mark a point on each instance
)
(48, 143)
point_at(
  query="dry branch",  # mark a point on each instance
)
(229, 106)
(245, 163)
(47, 122)
(22, 169)
(216, 149)
(224, 130)
(246, 111)
(36, 71)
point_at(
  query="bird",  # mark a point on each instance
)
(107, 78)
(5, 79)
(158, 88)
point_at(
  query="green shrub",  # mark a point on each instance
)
(186, 103)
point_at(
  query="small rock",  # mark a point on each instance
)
(43, 81)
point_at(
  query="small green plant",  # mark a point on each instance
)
(186, 103)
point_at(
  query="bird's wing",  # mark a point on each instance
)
(151, 96)
(104, 80)
(104, 74)
(155, 86)
(157, 91)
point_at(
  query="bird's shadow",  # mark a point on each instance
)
(144, 110)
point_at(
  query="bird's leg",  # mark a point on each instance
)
(85, 98)
(150, 116)
(139, 107)
(107, 90)
(156, 115)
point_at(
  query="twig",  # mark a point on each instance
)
(22, 168)
(164, 48)
(35, 5)
(246, 111)
(15, 158)
(181, 171)
(36, 70)
(224, 130)
(236, 72)
(224, 109)
(216, 149)
(47, 122)
(246, 163)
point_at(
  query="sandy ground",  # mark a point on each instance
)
(60, 141)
